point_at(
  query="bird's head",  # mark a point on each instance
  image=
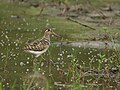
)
(50, 32)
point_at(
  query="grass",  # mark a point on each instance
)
(77, 87)
(13, 85)
(1, 85)
(27, 23)
(76, 76)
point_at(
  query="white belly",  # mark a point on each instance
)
(37, 53)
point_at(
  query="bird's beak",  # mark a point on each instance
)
(56, 34)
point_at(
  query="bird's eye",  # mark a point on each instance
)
(48, 29)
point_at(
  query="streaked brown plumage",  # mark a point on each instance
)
(37, 45)
(40, 46)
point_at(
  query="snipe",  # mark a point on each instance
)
(40, 46)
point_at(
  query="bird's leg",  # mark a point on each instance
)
(42, 57)
(35, 64)
(34, 61)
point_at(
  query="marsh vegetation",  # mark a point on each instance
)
(86, 57)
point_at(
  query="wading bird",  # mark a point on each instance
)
(40, 46)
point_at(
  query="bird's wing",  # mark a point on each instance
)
(37, 45)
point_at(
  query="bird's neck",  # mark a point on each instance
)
(46, 36)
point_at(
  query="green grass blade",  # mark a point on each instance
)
(47, 85)
(13, 86)
(0, 85)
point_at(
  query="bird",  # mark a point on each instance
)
(40, 46)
